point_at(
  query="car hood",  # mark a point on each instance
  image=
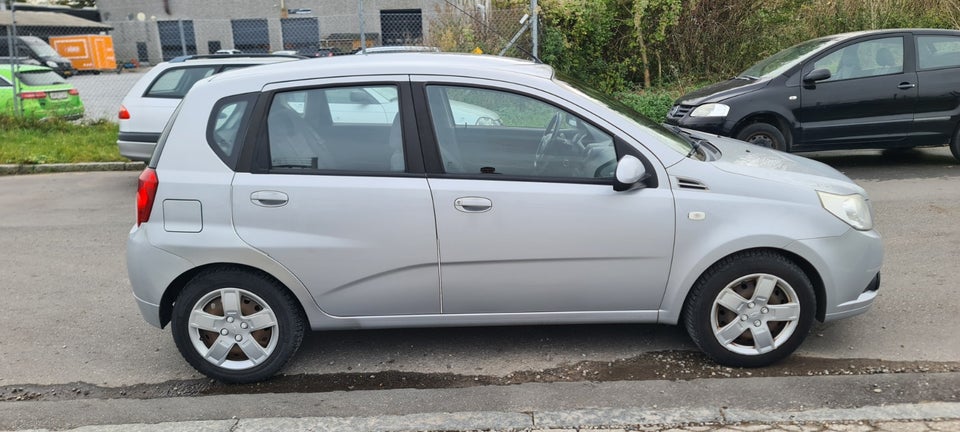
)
(742, 158)
(722, 90)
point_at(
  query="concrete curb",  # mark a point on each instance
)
(708, 419)
(13, 169)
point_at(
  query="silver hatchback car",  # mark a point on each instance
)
(261, 215)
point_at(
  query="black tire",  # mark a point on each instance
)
(740, 274)
(764, 135)
(955, 144)
(266, 318)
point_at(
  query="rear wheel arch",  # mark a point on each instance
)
(176, 286)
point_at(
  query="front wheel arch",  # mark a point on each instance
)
(772, 119)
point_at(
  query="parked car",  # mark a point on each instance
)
(257, 221)
(871, 89)
(42, 93)
(37, 49)
(148, 104)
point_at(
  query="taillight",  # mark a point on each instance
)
(73, 92)
(146, 192)
(124, 114)
(33, 95)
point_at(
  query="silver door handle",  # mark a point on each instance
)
(473, 204)
(269, 198)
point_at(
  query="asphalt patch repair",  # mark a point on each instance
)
(667, 365)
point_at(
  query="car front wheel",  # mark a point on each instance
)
(236, 326)
(764, 135)
(750, 309)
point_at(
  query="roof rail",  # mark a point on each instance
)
(182, 59)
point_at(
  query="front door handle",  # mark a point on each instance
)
(269, 198)
(473, 204)
(906, 85)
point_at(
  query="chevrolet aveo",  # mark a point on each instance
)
(261, 216)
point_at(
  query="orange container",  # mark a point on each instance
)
(90, 53)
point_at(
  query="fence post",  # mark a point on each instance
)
(183, 41)
(363, 34)
(534, 29)
(13, 51)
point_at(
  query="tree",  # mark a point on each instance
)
(651, 20)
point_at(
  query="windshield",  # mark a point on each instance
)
(783, 60)
(40, 47)
(672, 140)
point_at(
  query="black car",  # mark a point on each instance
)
(871, 89)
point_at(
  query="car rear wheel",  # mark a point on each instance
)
(236, 326)
(764, 135)
(750, 310)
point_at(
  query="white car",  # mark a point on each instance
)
(148, 105)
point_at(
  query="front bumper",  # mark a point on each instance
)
(849, 266)
(710, 125)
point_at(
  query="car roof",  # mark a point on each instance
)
(422, 63)
(6, 67)
(850, 35)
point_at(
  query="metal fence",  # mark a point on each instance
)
(105, 73)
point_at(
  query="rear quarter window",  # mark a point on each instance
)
(175, 83)
(228, 125)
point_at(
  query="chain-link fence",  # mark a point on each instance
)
(105, 59)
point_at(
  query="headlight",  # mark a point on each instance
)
(52, 63)
(852, 209)
(710, 110)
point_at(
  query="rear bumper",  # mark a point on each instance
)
(137, 146)
(149, 269)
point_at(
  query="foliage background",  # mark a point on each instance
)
(691, 42)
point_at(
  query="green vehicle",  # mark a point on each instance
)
(42, 93)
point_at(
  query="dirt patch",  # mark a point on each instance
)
(672, 365)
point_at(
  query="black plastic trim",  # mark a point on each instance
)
(147, 137)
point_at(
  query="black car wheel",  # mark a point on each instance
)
(764, 135)
(750, 309)
(236, 326)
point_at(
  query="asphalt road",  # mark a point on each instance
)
(68, 315)
(101, 94)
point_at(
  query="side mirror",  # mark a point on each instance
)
(630, 171)
(816, 75)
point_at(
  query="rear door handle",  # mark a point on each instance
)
(906, 85)
(473, 204)
(269, 198)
